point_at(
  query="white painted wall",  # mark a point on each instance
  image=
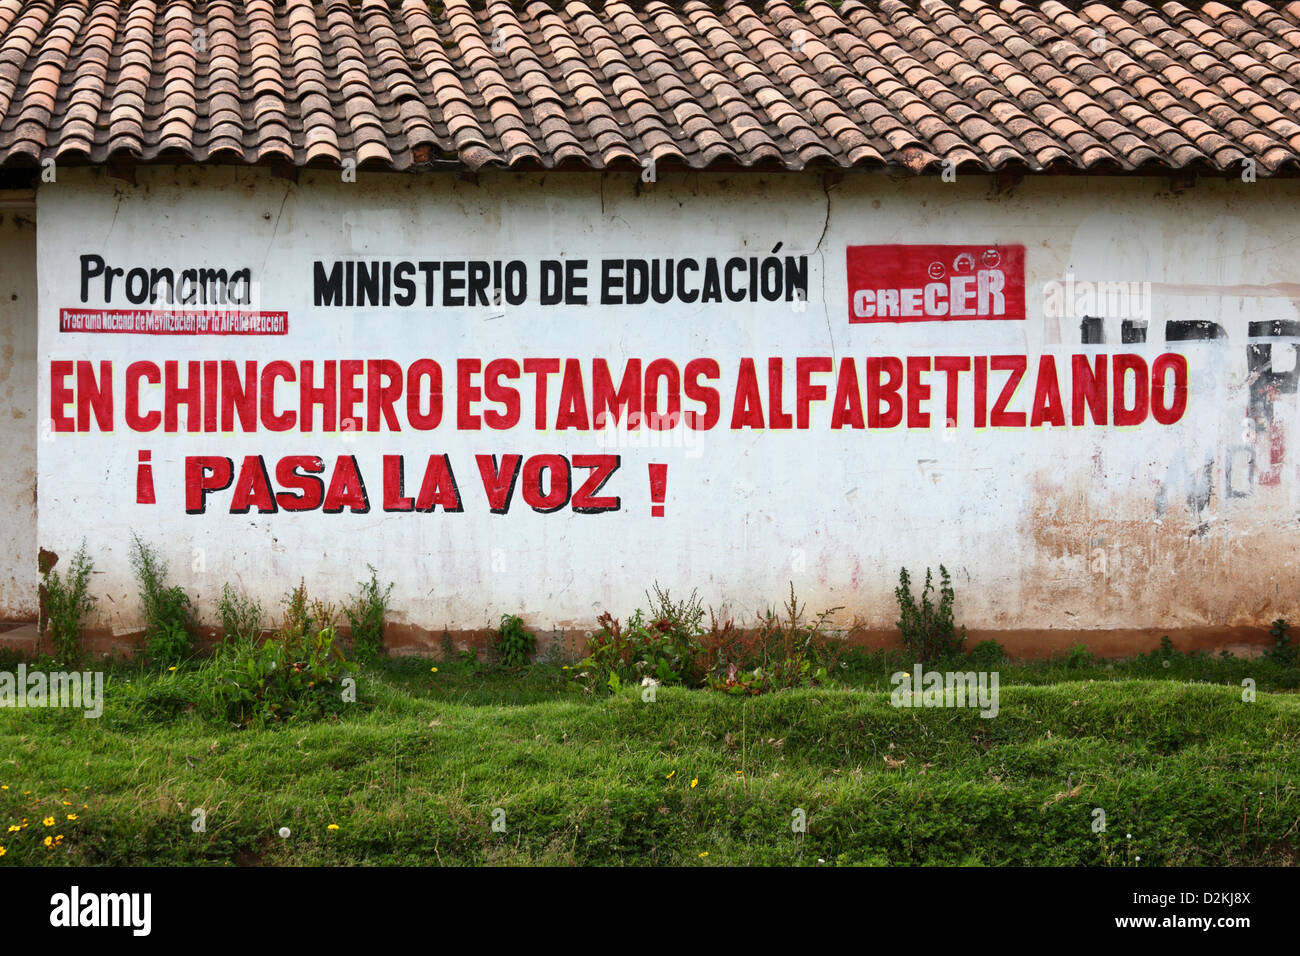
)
(1070, 528)
(18, 577)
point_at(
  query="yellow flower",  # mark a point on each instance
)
(58, 839)
(740, 773)
(433, 670)
(66, 803)
(48, 821)
(332, 826)
(72, 816)
(14, 828)
(171, 668)
(671, 775)
(3, 851)
(704, 854)
(4, 786)
(695, 782)
(49, 841)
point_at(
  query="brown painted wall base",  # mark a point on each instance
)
(403, 640)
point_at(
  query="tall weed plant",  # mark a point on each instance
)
(65, 602)
(169, 620)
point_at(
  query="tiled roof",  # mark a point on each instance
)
(405, 84)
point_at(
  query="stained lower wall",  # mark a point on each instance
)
(18, 420)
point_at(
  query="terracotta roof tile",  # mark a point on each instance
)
(1126, 85)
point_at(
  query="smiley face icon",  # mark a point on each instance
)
(936, 270)
(964, 262)
(991, 258)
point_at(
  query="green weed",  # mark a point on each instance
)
(65, 602)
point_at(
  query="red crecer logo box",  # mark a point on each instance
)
(935, 283)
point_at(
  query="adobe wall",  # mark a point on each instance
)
(1175, 514)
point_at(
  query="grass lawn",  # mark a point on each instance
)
(417, 770)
